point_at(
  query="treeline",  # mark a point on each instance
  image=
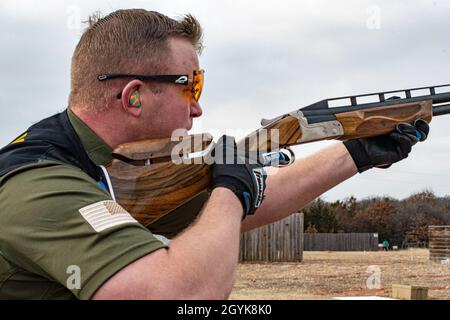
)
(398, 221)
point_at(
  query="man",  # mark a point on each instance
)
(61, 234)
(385, 245)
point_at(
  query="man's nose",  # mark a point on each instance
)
(196, 110)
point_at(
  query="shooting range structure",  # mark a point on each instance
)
(340, 242)
(281, 241)
(439, 243)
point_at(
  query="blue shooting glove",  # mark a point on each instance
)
(239, 172)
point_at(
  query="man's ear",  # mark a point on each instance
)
(131, 98)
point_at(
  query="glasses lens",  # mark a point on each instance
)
(197, 84)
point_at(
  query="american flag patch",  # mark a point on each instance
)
(105, 214)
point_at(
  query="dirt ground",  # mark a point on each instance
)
(325, 275)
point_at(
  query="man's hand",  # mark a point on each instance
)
(383, 151)
(237, 171)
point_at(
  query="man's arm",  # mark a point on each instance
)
(293, 187)
(199, 264)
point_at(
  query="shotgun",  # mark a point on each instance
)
(149, 182)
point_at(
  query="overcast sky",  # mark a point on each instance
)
(262, 59)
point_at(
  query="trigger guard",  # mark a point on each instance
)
(291, 157)
(268, 158)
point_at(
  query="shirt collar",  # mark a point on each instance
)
(98, 150)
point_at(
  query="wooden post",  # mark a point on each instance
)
(406, 292)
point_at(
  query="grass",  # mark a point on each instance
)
(324, 275)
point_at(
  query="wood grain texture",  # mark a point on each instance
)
(279, 134)
(162, 147)
(382, 120)
(150, 192)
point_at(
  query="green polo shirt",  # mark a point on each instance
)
(61, 235)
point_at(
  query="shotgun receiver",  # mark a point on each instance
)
(148, 183)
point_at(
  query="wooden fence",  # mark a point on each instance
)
(280, 241)
(439, 243)
(341, 241)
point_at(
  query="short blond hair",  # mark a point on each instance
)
(125, 41)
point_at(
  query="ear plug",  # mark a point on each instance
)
(134, 100)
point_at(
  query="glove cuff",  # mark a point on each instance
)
(359, 155)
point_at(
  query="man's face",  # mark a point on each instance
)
(173, 108)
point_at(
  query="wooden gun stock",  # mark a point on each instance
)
(148, 184)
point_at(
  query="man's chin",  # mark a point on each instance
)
(182, 130)
(189, 125)
(179, 132)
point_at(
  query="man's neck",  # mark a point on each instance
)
(104, 125)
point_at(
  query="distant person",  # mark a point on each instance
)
(385, 245)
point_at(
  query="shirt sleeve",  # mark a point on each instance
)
(59, 223)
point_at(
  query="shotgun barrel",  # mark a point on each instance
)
(327, 109)
(323, 110)
(441, 110)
